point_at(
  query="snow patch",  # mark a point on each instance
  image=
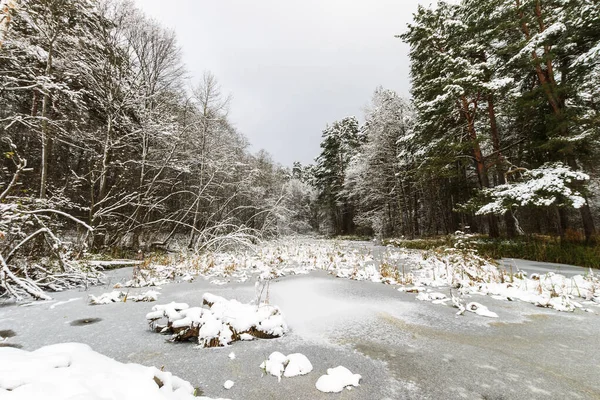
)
(337, 379)
(228, 384)
(73, 370)
(295, 364)
(118, 296)
(480, 309)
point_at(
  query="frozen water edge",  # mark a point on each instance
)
(414, 348)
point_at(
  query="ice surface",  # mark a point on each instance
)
(60, 303)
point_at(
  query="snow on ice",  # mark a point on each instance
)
(337, 379)
(74, 370)
(118, 296)
(228, 384)
(295, 364)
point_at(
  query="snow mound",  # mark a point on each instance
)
(150, 295)
(337, 379)
(295, 364)
(228, 384)
(118, 296)
(275, 364)
(219, 322)
(106, 298)
(73, 370)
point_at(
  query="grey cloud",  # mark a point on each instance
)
(292, 66)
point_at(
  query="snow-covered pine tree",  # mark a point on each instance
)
(539, 43)
(451, 84)
(374, 180)
(340, 142)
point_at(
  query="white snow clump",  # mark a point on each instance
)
(337, 379)
(295, 364)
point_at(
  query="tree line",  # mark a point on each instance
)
(500, 136)
(99, 120)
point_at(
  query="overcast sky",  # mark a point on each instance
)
(292, 66)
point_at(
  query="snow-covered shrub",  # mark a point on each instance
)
(219, 322)
(32, 257)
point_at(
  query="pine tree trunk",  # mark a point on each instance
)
(589, 229)
(563, 221)
(548, 83)
(509, 221)
(484, 181)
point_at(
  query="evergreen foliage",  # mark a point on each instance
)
(501, 136)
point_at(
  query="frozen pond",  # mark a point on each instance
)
(402, 347)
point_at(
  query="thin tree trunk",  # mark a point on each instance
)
(105, 160)
(45, 133)
(415, 215)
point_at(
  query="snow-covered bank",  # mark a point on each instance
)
(470, 274)
(459, 268)
(75, 371)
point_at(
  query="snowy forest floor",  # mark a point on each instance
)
(402, 347)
